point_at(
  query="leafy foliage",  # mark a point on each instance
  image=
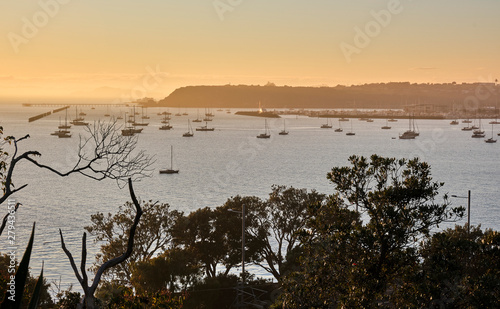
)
(173, 270)
(277, 222)
(361, 244)
(153, 236)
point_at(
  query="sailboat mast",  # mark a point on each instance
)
(171, 157)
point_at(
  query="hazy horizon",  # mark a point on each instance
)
(119, 50)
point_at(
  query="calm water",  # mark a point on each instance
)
(229, 161)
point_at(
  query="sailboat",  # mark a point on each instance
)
(107, 112)
(266, 133)
(339, 129)
(166, 123)
(140, 123)
(170, 170)
(478, 129)
(205, 128)
(197, 117)
(386, 127)
(327, 125)
(411, 133)
(189, 133)
(78, 121)
(350, 133)
(61, 133)
(284, 131)
(145, 116)
(65, 126)
(130, 131)
(491, 140)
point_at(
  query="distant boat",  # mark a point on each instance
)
(467, 128)
(131, 130)
(412, 132)
(170, 170)
(477, 135)
(266, 133)
(339, 129)
(405, 135)
(208, 113)
(284, 131)
(166, 123)
(65, 126)
(478, 129)
(350, 133)
(392, 120)
(78, 121)
(386, 127)
(197, 117)
(189, 133)
(369, 120)
(61, 134)
(205, 128)
(454, 122)
(327, 125)
(343, 119)
(145, 116)
(165, 127)
(491, 140)
(140, 123)
(466, 121)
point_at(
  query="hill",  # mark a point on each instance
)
(450, 96)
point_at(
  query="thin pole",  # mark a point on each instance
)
(468, 213)
(243, 244)
(171, 156)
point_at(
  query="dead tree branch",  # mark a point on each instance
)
(89, 299)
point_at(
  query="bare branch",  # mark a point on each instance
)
(71, 260)
(130, 246)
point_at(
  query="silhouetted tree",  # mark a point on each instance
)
(356, 261)
(277, 222)
(89, 300)
(153, 236)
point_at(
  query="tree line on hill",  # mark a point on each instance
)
(443, 97)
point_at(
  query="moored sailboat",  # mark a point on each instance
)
(171, 169)
(266, 133)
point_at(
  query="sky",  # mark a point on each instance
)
(121, 50)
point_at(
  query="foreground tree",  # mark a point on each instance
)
(212, 237)
(89, 300)
(277, 222)
(174, 270)
(361, 244)
(459, 270)
(153, 236)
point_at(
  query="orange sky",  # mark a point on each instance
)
(122, 50)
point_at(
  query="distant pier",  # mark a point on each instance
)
(35, 118)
